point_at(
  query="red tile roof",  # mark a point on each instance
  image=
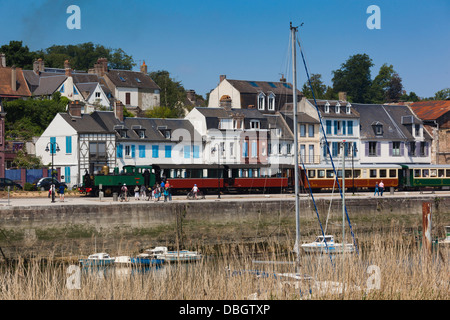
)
(5, 84)
(431, 110)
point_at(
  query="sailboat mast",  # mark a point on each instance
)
(343, 195)
(296, 175)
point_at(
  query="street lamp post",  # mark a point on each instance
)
(53, 149)
(353, 149)
(218, 168)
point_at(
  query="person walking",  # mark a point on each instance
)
(136, 193)
(169, 190)
(381, 185)
(377, 191)
(143, 192)
(124, 190)
(195, 191)
(61, 192)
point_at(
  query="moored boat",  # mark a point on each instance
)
(146, 259)
(98, 259)
(326, 244)
(180, 256)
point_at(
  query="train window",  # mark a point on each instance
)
(392, 173)
(425, 173)
(447, 173)
(357, 173)
(321, 173)
(330, 174)
(373, 173)
(339, 174)
(348, 173)
(311, 173)
(383, 173)
(433, 173)
(441, 173)
(417, 173)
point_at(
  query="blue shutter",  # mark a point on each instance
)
(68, 144)
(245, 150)
(187, 153)
(328, 126)
(67, 174)
(335, 149)
(350, 127)
(155, 151)
(335, 127)
(52, 145)
(133, 151)
(119, 151)
(324, 150)
(168, 151)
(141, 151)
(354, 149)
(195, 151)
(343, 127)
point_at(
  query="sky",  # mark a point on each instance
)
(197, 41)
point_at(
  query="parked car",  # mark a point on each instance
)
(44, 184)
(5, 182)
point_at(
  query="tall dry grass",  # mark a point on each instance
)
(242, 272)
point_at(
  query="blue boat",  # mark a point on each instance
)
(147, 260)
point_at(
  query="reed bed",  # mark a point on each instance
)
(388, 267)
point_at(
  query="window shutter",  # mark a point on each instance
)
(350, 127)
(367, 148)
(335, 127)
(343, 127)
(402, 147)
(335, 149)
(378, 149)
(68, 144)
(119, 151)
(354, 149)
(133, 150)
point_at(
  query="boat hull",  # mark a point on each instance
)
(92, 262)
(336, 248)
(147, 261)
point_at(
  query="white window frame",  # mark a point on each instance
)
(271, 102)
(261, 101)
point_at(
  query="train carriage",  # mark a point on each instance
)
(322, 177)
(421, 176)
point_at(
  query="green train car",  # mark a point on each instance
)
(110, 183)
(421, 176)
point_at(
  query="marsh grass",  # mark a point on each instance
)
(249, 271)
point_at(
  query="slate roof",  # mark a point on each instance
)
(48, 85)
(131, 79)
(87, 123)
(212, 116)
(390, 116)
(277, 121)
(5, 83)
(246, 86)
(332, 109)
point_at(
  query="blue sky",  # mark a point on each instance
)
(196, 41)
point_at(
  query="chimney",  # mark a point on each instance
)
(225, 102)
(41, 65)
(190, 94)
(13, 78)
(2, 60)
(118, 110)
(222, 77)
(342, 96)
(75, 108)
(36, 66)
(68, 69)
(144, 68)
(283, 79)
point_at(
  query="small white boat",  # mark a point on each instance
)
(326, 244)
(447, 236)
(98, 259)
(181, 256)
(122, 260)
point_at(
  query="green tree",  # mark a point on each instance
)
(161, 112)
(380, 84)
(394, 88)
(354, 78)
(318, 86)
(18, 55)
(443, 94)
(172, 93)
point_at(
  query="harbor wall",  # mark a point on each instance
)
(78, 229)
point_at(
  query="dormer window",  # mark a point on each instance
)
(261, 101)
(167, 133)
(271, 102)
(121, 131)
(139, 131)
(338, 107)
(254, 124)
(327, 107)
(378, 128)
(348, 109)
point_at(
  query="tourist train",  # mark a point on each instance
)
(252, 179)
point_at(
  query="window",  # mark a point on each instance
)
(127, 98)
(261, 101)
(441, 173)
(168, 151)
(373, 149)
(392, 173)
(396, 148)
(187, 152)
(383, 173)
(447, 173)
(378, 129)
(338, 108)
(311, 153)
(68, 144)
(155, 151)
(311, 130)
(75, 90)
(302, 152)
(271, 102)
(254, 124)
(373, 173)
(280, 148)
(350, 127)
(347, 109)
(62, 89)
(330, 174)
(412, 148)
(237, 124)
(327, 107)
(311, 173)
(423, 149)
(254, 149)
(97, 94)
(417, 130)
(417, 173)
(231, 149)
(97, 150)
(269, 148)
(127, 151)
(289, 148)
(303, 130)
(328, 123)
(253, 84)
(141, 151)
(321, 173)
(425, 173)
(433, 173)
